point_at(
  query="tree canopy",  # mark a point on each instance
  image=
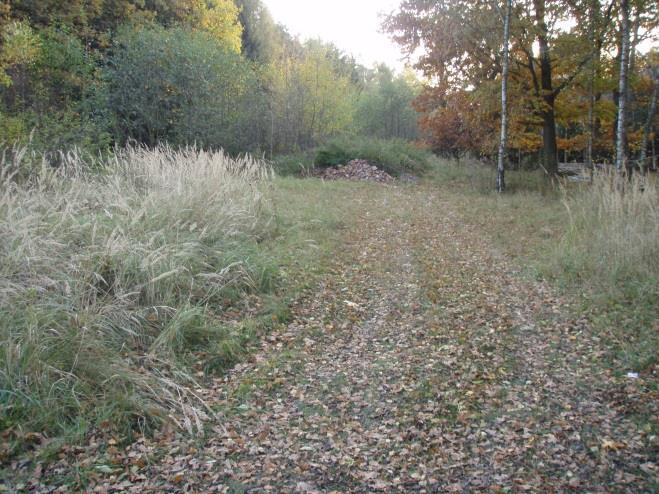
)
(558, 51)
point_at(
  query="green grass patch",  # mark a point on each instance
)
(294, 164)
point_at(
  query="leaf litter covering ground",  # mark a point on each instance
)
(355, 170)
(422, 363)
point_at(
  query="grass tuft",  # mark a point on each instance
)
(111, 277)
(611, 247)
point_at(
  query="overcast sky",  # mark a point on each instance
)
(352, 25)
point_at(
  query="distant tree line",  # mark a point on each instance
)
(216, 73)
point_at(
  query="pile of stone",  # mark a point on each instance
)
(355, 170)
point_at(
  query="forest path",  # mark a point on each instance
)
(423, 362)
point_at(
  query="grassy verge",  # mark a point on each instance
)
(122, 288)
(594, 242)
(611, 247)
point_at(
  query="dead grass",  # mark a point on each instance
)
(108, 276)
(610, 247)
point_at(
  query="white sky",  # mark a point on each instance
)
(352, 25)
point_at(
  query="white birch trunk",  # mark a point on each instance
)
(501, 183)
(594, 9)
(621, 158)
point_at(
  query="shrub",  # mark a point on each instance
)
(395, 156)
(110, 279)
(58, 102)
(180, 87)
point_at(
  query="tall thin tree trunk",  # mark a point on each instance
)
(591, 122)
(621, 158)
(501, 182)
(549, 145)
(647, 128)
(593, 24)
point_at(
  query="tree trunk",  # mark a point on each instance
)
(647, 128)
(621, 158)
(501, 182)
(549, 146)
(591, 122)
(594, 63)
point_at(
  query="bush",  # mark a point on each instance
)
(56, 101)
(180, 87)
(394, 156)
(109, 280)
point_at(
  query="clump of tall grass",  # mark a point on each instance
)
(614, 233)
(611, 248)
(111, 271)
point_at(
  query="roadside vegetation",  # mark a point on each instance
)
(114, 272)
(129, 281)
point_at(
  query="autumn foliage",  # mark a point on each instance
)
(562, 55)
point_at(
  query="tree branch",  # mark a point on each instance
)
(588, 58)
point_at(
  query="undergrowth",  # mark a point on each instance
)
(395, 156)
(126, 281)
(112, 277)
(611, 246)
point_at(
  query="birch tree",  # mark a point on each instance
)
(501, 182)
(621, 158)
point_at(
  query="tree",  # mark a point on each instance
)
(547, 91)
(313, 95)
(220, 19)
(621, 155)
(178, 86)
(20, 45)
(384, 108)
(647, 127)
(95, 21)
(501, 182)
(262, 39)
(462, 53)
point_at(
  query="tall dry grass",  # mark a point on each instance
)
(613, 235)
(111, 271)
(610, 249)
